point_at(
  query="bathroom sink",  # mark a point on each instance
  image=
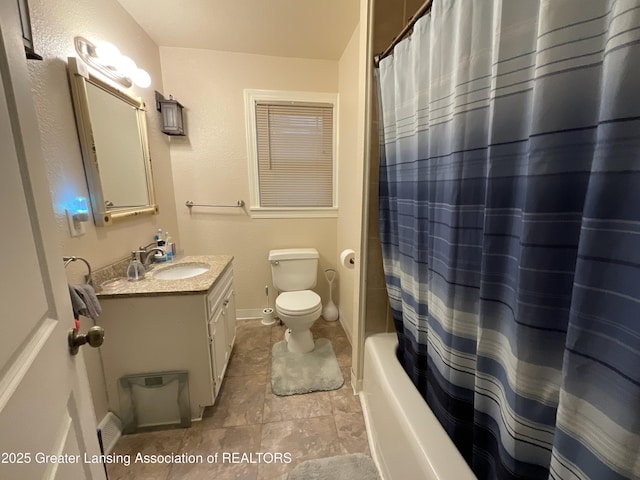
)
(184, 270)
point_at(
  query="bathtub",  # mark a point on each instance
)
(406, 439)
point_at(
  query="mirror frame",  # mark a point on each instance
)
(79, 76)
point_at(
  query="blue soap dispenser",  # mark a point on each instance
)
(169, 246)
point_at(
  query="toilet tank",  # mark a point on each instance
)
(294, 268)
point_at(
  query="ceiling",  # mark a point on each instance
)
(318, 29)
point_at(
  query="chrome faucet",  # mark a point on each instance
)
(146, 254)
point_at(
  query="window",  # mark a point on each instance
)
(291, 153)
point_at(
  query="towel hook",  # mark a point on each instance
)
(67, 260)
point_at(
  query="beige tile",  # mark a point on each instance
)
(375, 269)
(249, 361)
(345, 401)
(411, 7)
(302, 439)
(377, 308)
(138, 472)
(342, 349)
(291, 407)
(352, 433)
(277, 333)
(153, 443)
(323, 329)
(346, 386)
(388, 21)
(373, 216)
(240, 402)
(252, 349)
(251, 335)
(222, 452)
(390, 325)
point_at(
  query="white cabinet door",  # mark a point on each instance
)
(218, 350)
(230, 319)
(45, 403)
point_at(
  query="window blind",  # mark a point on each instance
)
(295, 154)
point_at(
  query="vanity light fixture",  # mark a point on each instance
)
(77, 215)
(107, 59)
(171, 111)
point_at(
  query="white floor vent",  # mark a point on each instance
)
(111, 429)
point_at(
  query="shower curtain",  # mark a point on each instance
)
(510, 229)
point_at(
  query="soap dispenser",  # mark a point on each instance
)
(135, 271)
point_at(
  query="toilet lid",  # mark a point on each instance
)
(298, 303)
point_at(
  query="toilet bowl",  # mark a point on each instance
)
(294, 272)
(298, 311)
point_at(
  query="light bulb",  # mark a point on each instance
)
(141, 78)
(107, 53)
(127, 66)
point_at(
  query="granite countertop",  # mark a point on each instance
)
(120, 287)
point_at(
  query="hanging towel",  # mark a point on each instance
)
(77, 303)
(84, 301)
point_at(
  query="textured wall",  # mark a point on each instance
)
(55, 24)
(210, 165)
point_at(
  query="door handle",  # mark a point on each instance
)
(94, 337)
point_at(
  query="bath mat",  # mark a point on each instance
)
(293, 373)
(344, 467)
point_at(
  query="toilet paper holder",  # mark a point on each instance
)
(347, 258)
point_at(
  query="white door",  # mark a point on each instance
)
(45, 403)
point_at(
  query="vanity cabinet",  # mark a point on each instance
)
(168, 332)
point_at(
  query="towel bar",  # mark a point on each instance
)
(68, 260)
(239, 204)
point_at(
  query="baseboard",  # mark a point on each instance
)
(346, 331)
(249, 314)
(256, 314)
(356, 384)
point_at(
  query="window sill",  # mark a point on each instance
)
(264, 212)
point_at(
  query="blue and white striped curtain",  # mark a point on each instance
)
(510, 227)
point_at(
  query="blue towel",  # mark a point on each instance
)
(84, 301)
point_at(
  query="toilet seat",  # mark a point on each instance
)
(300, 302)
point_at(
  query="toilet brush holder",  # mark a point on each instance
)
(267, 316)
(330, 312)
(267, 313)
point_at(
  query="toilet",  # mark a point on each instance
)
(294, 272)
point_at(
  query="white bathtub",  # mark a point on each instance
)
(406, 439)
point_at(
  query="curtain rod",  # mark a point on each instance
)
(423, 10)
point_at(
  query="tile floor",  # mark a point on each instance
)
(248, 418)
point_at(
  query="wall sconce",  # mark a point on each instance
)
(77, 215)
(106, 59)
(27, 33)
(171, 115)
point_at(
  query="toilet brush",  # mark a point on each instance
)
(267, 313)
(330, 311)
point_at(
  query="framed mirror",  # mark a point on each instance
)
(112, 127)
